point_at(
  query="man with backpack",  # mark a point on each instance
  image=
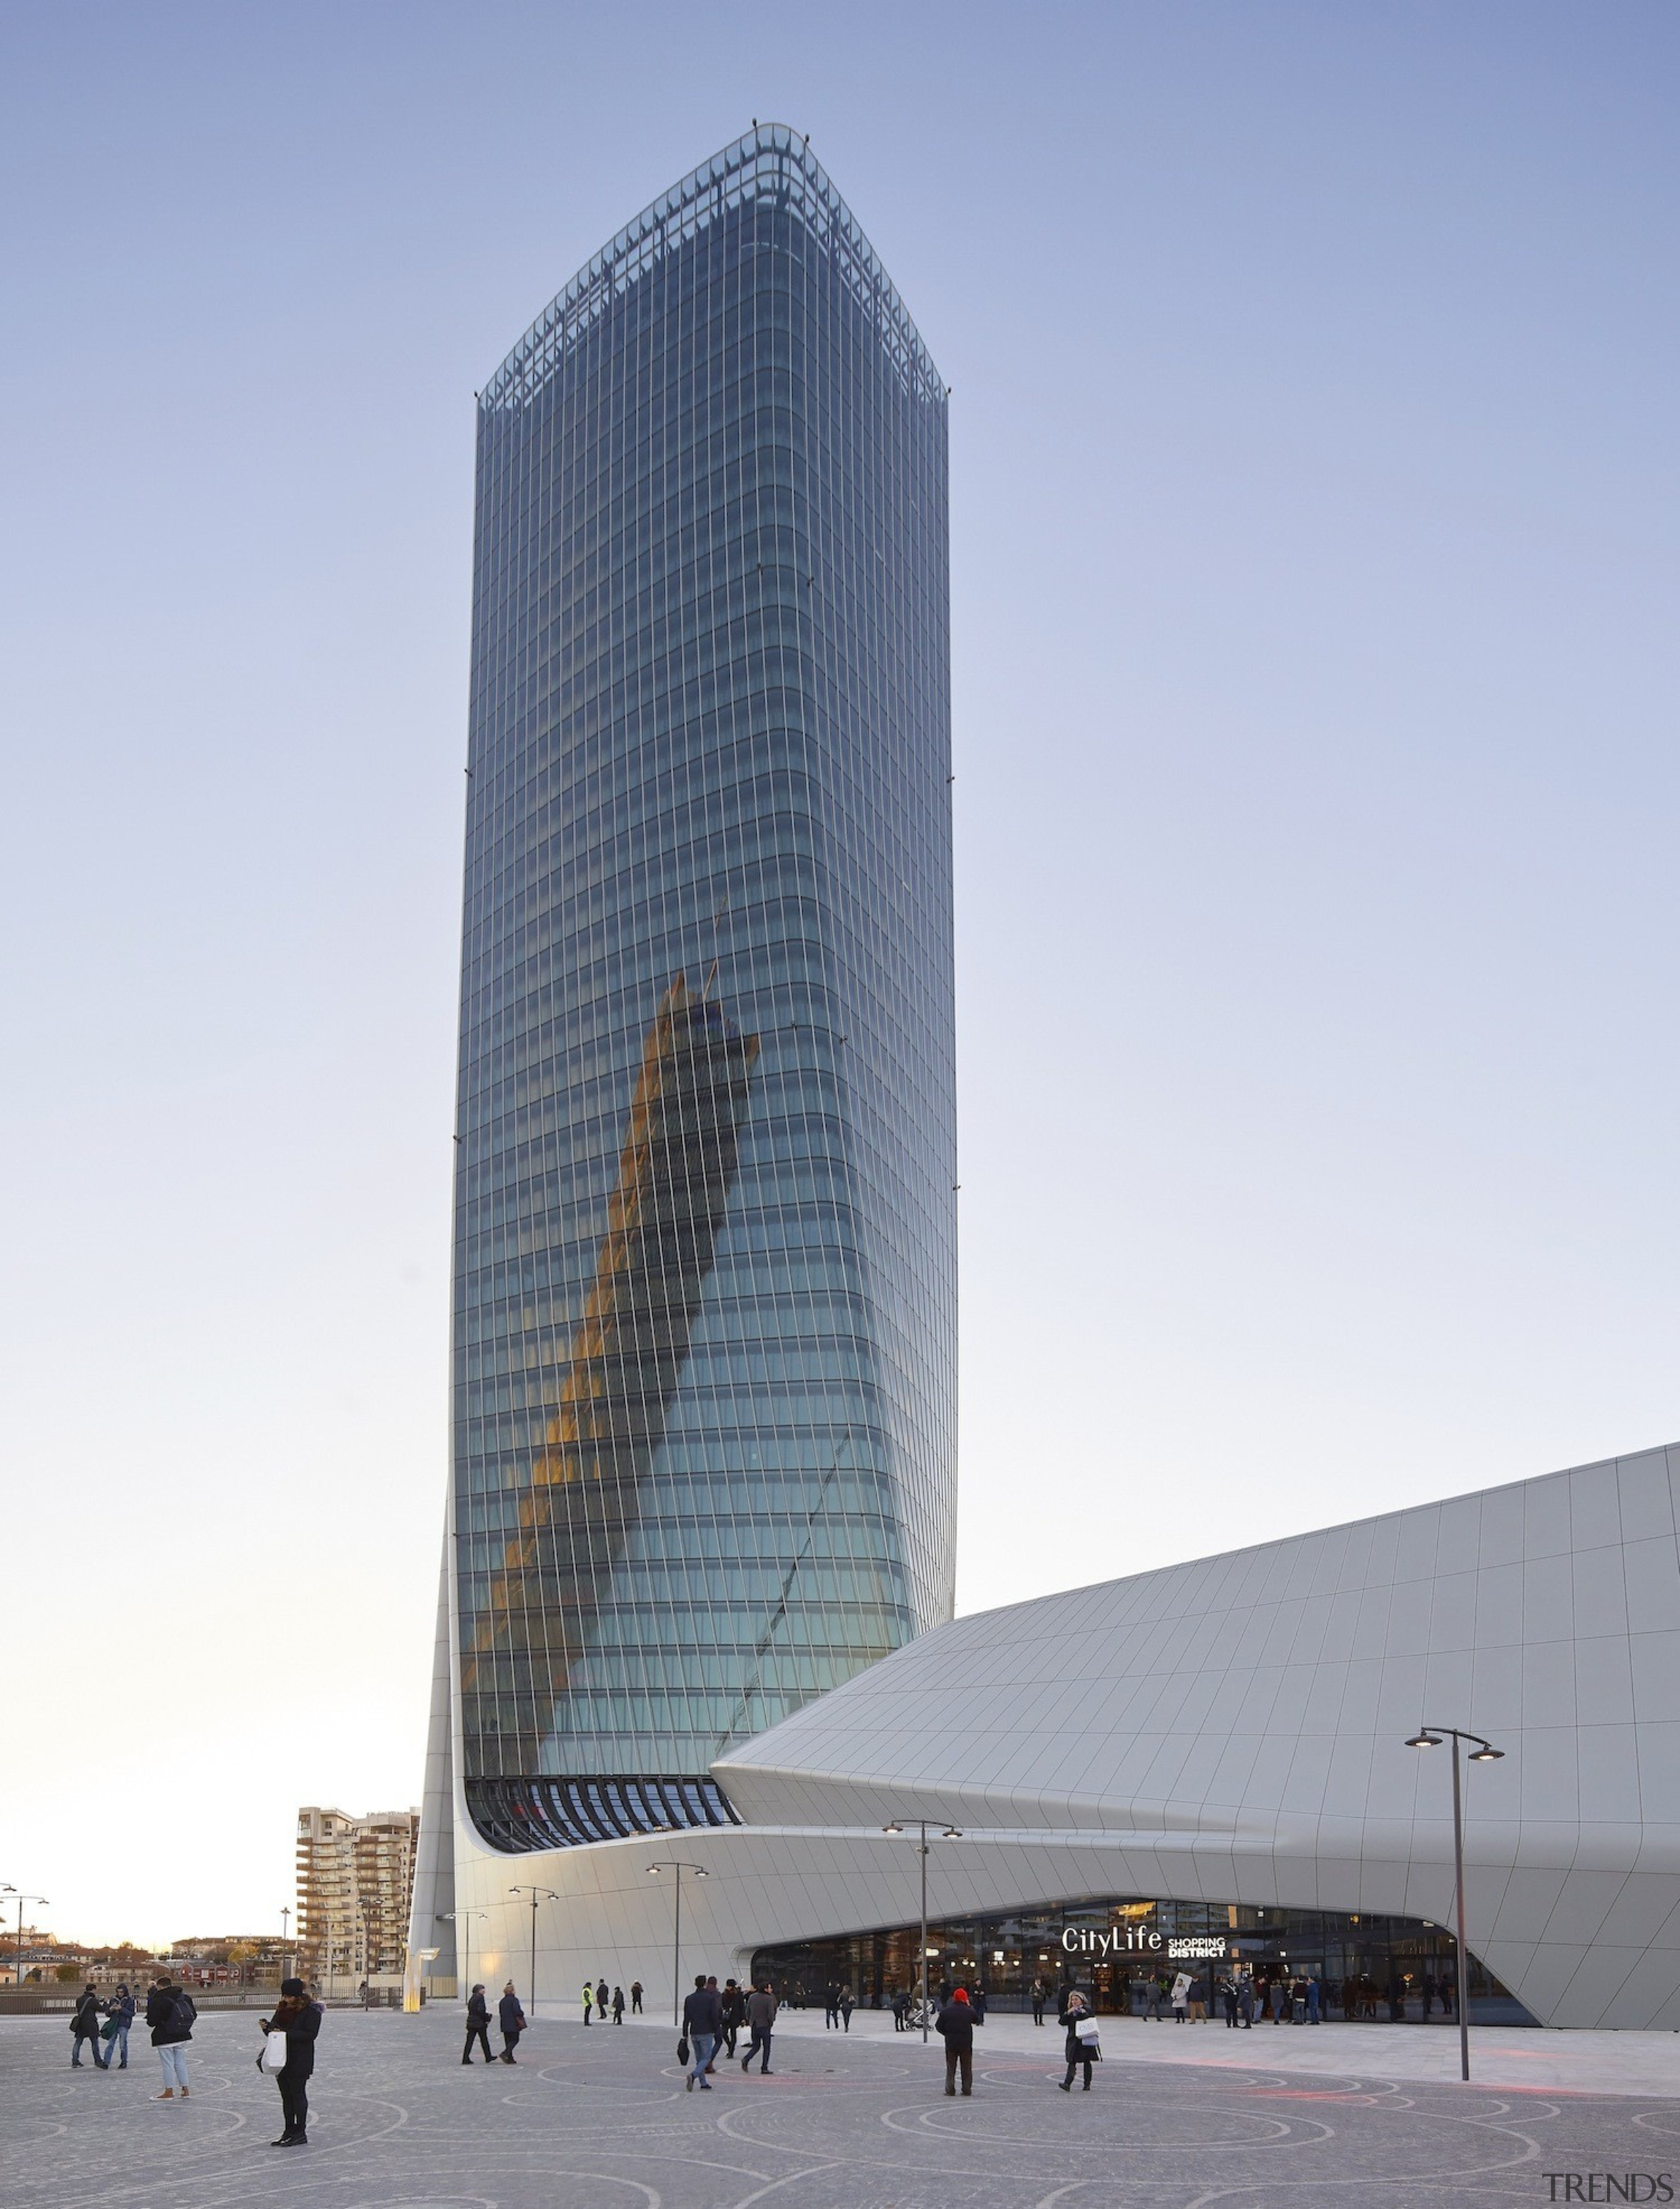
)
(171, 2014)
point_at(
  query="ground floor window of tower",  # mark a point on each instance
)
(1131, 1956)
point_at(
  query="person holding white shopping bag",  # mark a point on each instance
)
(288, 2054)
(1079, 2020)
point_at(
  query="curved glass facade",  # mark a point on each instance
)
(1121, 1953)
(704, 1321)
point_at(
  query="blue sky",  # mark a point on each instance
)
(1314, 512)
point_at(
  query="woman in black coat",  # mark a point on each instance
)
(478, 2024)
(299, 2019)
(85, 2025)
(511, 2018)
(1075, 2007)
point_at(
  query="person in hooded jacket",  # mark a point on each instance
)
(478, 2024)
(956, 2026)
(1074, 2008)
(299, 2019)
(85, 2025)
(120, 2010)
(171, 2023)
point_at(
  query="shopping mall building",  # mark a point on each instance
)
(695, 1617)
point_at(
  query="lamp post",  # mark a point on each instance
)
(679, 1866)
(459, 1918)
(948, 1833)
(21, 1899)
(285, 1931)
(537, 1894)
(1429, 1736)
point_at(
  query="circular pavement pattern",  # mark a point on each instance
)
(600, 2119)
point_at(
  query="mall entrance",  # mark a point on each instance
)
(1120, 1952)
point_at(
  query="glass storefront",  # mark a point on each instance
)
(1123, 1952)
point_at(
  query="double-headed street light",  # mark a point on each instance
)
(537, 1894)
(1429, 1736)
(679, 1866)
(948, 1833)
(462, 1921)
(21, 1899)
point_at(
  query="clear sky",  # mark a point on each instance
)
(1314, 522)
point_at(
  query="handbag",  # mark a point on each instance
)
(1088, 2029)
(273, 2057)
(682, 2050)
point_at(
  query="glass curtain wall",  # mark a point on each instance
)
(704, 1314)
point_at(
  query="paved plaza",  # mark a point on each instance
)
(1184, 2117)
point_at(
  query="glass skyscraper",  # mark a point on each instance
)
(704, 1307)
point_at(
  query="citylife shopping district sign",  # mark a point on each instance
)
(1145, 1941)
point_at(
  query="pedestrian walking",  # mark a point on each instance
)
(478, 2024)
(702, 2022)
(831, 2007)
(85, 2025)
(734, 2016)
(848, 2004)
(760, 2019)
(602, 1999)
(171, 2014)
(1197, 1993)
(510, 2018)
(1079, 2020)
(119, 2016)
(617, 2005)
(1245, 2002)
(1314, 1998)
(1039, 1993)
(298, 2019)
(956, 2026)
(589, 1999)
(636, 1997)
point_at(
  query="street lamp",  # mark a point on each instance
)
(537, 1894)
(21, 1899)
(679, 1866)
(949, 1834)
(1429, 1736)
(459, 1918)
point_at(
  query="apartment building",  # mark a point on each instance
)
(354, 1879)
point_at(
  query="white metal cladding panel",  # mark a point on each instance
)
(1546, 1614)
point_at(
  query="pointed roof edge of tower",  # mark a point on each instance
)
(769, 154)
